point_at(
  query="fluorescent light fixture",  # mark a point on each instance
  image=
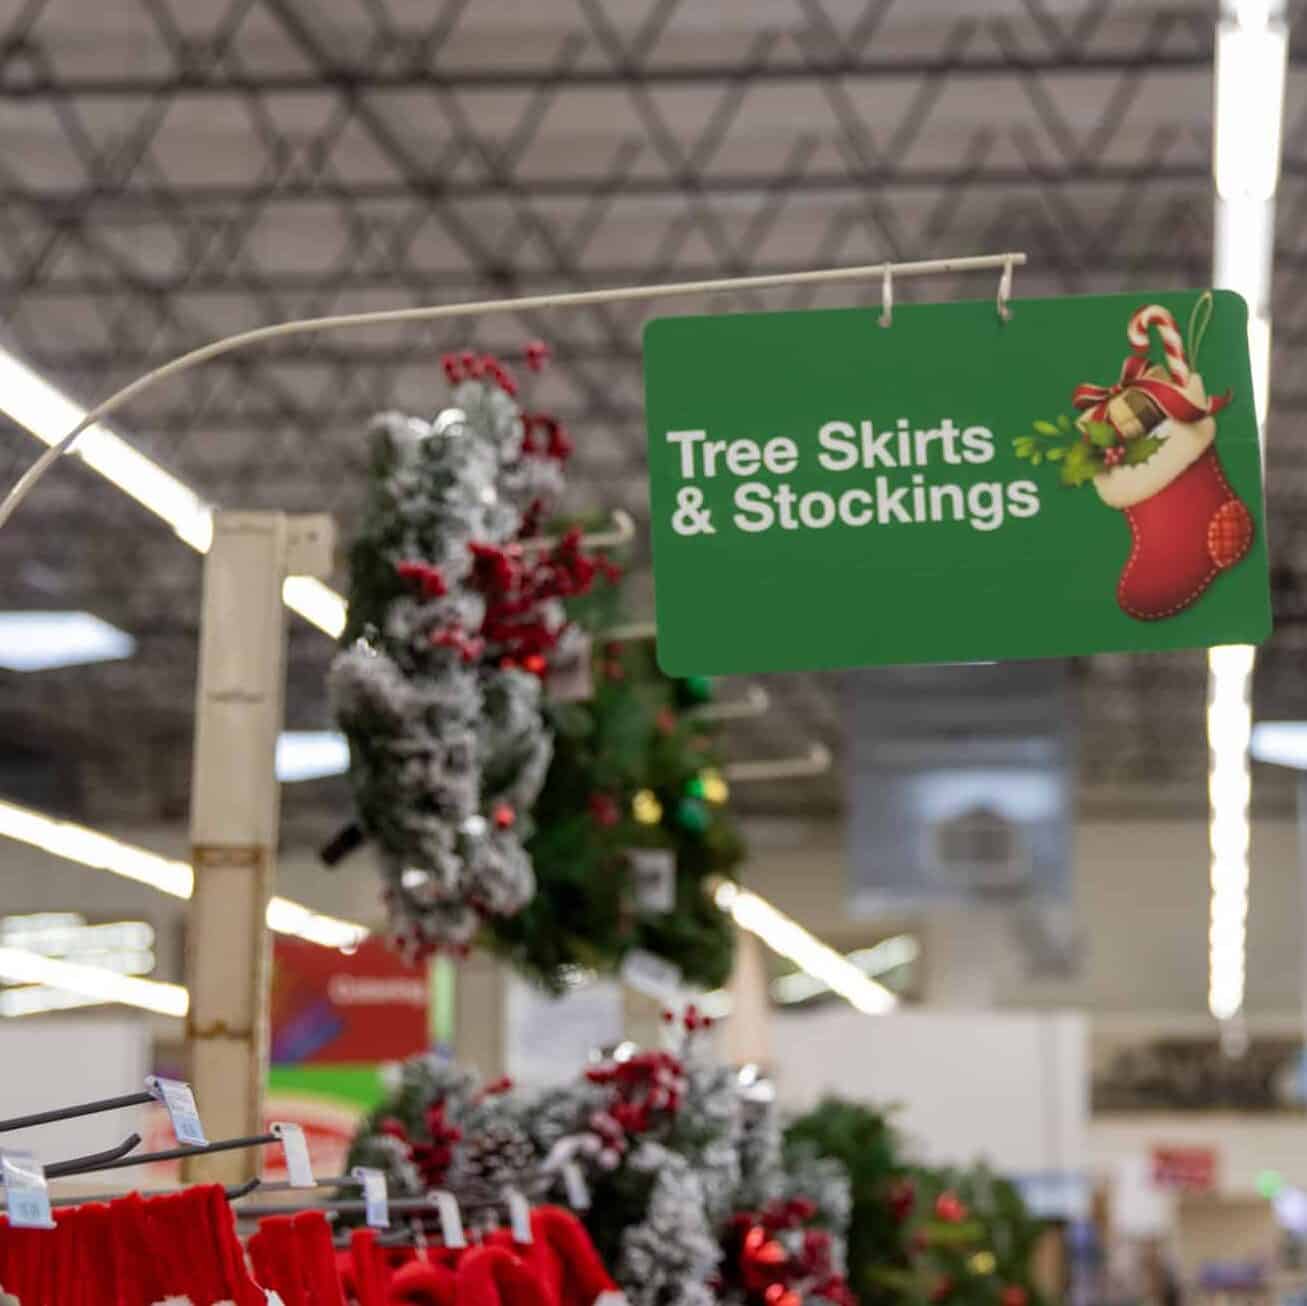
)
(49, 415)
(1229, 788)
(1251, 53)
(799, 986)
(310, 755)
(1241, 250)
(1282, 743)
(716, 1004)
(287, 917)
(75, 843)
(124, 947)
(41, 641)
(787, 937)
(899, 950)
(317, 603)
(1252, 47)
(40, 1000)
(19, 966)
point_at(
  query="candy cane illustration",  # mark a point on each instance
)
(1154, 315)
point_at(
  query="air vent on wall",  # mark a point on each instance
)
(981, 850)
(959, 785)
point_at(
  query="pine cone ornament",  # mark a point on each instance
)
(498, 1155)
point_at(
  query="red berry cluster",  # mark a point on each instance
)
(610, 1139)
(468, 647)
(692, 1020)
(604, 811)
(426, 577)
(432, 1158)
(902, 1198)
(468, 366)
(546, 436)
(787, 1213)
(646, 1088)
(515, 587)
(781, 1273)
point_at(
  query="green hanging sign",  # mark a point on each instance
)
(828, 492)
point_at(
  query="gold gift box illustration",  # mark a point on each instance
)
(1133, 412)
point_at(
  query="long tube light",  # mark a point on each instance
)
(75, 843)
(1252, 43)
(41, 999)
(887, 955)
(784, 935)
(19, 966)
(1229, 789)
(49, 414)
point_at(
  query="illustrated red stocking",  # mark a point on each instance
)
(1187, 525)
(1183, 536)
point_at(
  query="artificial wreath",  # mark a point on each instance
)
(690, 1200)
(454, 620)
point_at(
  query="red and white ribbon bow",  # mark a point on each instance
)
(1168, 395)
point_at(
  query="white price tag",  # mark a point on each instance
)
(574, 1184)
(375, 1197)
(26, 1194)
(451, 1218)
(652, 975)
(571, 674)
(653, 877)
(519, 1216)
(295, 1148)
(179, 1101)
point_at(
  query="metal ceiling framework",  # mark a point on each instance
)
(173, 172)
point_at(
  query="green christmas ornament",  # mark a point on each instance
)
(696, 689)
(693, 815)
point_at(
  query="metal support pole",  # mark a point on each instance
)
(235, 810)
(480, 1015)
(642, 1022)
(747, 1036)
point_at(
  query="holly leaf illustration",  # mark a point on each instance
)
(1079, 465)
(1056, 455)
(1141, 450)
(1046, 428)
(1023, 445)
(1064, 423)
(1101, 434)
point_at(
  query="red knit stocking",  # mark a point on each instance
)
(1181, 539)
